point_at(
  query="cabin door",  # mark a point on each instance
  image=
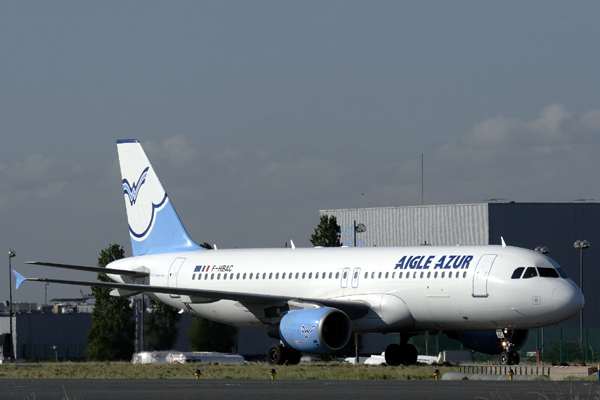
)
(481, 275)
(174, 273)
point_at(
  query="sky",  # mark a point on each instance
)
(256, 115)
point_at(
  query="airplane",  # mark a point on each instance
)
(83, 298)
(314, 299)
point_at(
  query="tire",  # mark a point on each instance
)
(293, 356)
(410, 354)
(505, 358)
(276, 355)
(393, 355)
(515, 359)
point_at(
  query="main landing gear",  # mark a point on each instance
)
(280, 355)
(401, 354)
(507, 357)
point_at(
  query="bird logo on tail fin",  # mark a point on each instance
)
(133, 191)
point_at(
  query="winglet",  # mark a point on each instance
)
(20, 278)
(503, 242)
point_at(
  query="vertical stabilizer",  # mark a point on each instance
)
(154, 226)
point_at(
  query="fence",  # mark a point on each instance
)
(556, 346)
(59, 352)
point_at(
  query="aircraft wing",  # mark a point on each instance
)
(100, 270)
(354, 309)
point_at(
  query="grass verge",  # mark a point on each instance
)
(126, 370)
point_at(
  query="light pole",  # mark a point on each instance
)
(581, 244)
(358, 228)
(11, 254)
(544, 250)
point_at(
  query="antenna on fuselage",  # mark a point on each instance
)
(503, 242)
(292, 243)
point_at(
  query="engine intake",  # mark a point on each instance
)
(317, 330)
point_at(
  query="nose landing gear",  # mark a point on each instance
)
(508, 356)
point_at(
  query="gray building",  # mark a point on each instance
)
(554, 225)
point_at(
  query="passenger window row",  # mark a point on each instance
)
(271, 275)
(416, 274)
(324, 275)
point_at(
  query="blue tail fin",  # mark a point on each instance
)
(154, 226)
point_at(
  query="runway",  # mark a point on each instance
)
(118, 389)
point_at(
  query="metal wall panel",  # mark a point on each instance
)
(557, 226)
(462, 224)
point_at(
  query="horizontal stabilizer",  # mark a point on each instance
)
(20, 278)
(99, 270)
(124, 293)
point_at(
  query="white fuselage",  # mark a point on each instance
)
(407, 288)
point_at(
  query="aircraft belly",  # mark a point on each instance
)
(226, 312)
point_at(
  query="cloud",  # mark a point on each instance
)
(591, 120)
(520, 159)
(548, 125)
(177, 150)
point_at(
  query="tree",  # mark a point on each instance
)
(207, 335)
(327, 233)
(161, 326)
(113, 327)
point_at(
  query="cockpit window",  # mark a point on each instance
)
(560, 271)
(518, 272)
(548, 272)
(530, 273)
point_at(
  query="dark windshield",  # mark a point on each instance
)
(517, 273)
(560, 271)
(530, 273)
(548, 272)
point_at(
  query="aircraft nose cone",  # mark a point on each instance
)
(567, 299)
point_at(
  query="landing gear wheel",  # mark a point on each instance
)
(514, 358)
(505, 358)
(393, 355)
(401, 354)
(293, 356)
(411, 354)
(276, 354)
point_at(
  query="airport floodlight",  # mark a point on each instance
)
(11, 254)
(358, 228)
(542, 249)
(581, 244)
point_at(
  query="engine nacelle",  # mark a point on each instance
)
(488, 342)
(317, 330)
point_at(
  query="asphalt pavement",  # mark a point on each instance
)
(83, 389)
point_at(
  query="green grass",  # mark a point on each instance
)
(125, 370)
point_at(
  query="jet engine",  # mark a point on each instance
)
(317, 330)
(488, 341)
